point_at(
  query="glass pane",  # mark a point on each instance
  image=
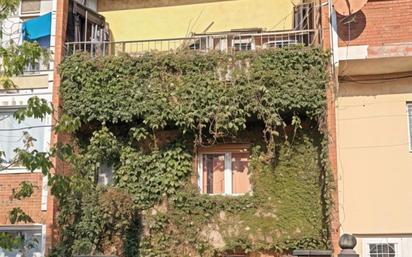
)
(373, 248)
(382, 250)
(12, 134)
(391, 248)
(105, 176)
(240, 173)
(213, 173)
(30, 6)
(30, 248)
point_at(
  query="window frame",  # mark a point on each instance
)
(12, 110)
(41, 228)
(228, 171)
(30, 13)
(243, 40)
(366, 242)
(105, 178)
(409, 123)
(19, 100)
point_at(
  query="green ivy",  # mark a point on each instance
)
(208, 94)
(148, 176)
(124, 106)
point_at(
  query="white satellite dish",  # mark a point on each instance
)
(348, 7)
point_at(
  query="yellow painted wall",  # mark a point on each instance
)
(375, 163)
(179, 20)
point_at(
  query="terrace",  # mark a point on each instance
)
(306, 31)
(229, 41)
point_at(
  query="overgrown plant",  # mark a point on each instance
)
(274, 99)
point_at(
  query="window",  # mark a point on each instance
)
(30, 6)
(105, 176)
(32, 68)
(203, 43)
(382, 250)
(409, 110)
(382, 247)
(243, 44)
(13, 134)
(303, 16)
(32, 241)
(224, 170)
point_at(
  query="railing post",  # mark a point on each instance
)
(347, 243)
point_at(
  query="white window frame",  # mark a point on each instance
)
(244, 40)
(16, 101)
(367, 241)
(228, 174)
(29, 14)
(26, 228)
(409, 104)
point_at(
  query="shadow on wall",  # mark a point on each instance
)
(110, 5)
(351, 27)
(382, 86)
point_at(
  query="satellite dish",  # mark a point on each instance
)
(348, 7)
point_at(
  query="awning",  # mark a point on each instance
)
(37, 28)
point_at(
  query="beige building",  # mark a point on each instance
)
(373, 61)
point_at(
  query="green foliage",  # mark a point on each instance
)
(36, 108)
(97, 221)
(190, 90)
(16, 57)
(34, 160)
(125, 105)
(285, 212)
(7, 7)
(25, 190)
(8, 241)
(67, 124)
(17, 215)
(148, 176)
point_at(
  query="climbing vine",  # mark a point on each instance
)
(145, 116)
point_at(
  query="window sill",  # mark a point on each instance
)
(29, 14)
(230, 195)
(17, 171)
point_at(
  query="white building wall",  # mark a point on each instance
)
(11, 28)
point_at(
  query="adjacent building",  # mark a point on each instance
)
(372, 53)
(33, 21)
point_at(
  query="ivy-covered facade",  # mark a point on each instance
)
(157, 122)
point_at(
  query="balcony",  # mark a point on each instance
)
(226, 41)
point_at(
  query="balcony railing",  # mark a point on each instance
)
(227, 42)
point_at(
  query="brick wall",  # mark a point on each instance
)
(331, 127)
(379, 22)
(32, 205)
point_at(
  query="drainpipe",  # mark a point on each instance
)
(334, 43)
